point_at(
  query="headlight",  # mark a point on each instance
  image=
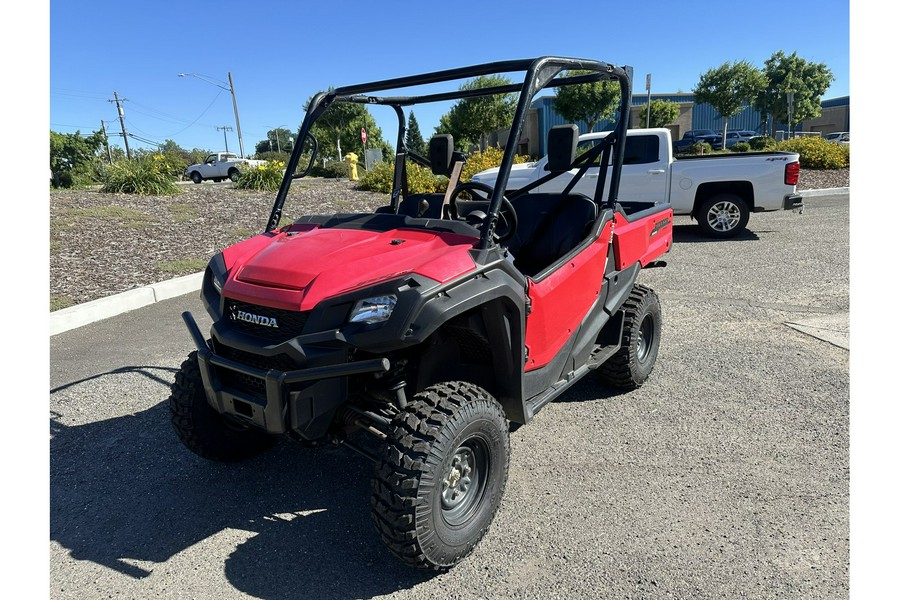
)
(217, 272)
(218, 282)
(373, 310)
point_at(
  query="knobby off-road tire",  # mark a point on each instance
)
(723, 216)
(630, 367)
(204, 431)
(441, 475)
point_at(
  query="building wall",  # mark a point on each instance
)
(835, 117)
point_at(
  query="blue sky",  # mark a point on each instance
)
(280, 53)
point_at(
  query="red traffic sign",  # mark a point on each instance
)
(363, 133)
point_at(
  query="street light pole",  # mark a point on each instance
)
(229, 88)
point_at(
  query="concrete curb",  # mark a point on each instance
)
(103, 308)
(824, 192)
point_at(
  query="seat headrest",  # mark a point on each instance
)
(562, 143)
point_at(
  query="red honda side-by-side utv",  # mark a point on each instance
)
(433, 323)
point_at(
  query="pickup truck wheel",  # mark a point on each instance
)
(723, 216)
(441, 475)
(196, 178)
(233, 175)
(631, 366)
(204, 431)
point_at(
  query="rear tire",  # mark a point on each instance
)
(441, 475)
(631, 366)
(233, 175)
(196, 178)
(723, 216)
(204, 431)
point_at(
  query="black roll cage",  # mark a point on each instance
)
(540, 73)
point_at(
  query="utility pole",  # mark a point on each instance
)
(106, 139)
(790, 111)
(225, 129)
(122, 121)
(648, 100)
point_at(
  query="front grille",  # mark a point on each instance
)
(248, 383)
(290, 322)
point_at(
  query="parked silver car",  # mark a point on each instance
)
(839, 137)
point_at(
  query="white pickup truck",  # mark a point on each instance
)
(719, 190)
(219, 166)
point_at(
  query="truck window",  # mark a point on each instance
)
(641, 149)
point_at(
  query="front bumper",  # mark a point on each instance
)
(302, 400)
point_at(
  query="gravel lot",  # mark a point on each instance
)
(104, 244)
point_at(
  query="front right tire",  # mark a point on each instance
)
(441, 475)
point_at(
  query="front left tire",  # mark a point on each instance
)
(441, 475)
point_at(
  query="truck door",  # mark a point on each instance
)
(208, 168)
(644, 171)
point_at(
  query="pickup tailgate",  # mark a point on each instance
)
(642, 237)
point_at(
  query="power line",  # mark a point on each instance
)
(186, 127)
(78, 94)
(145, 140)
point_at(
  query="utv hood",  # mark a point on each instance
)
(297, 269)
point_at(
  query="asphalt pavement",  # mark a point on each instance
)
(726, 475)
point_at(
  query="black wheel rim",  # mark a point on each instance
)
(645, 338)
(464, 481)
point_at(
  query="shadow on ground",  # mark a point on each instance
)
(692, 234)
(124, 493)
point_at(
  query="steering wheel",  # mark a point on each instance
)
(507, 215)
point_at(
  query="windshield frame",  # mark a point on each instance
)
(539, 73)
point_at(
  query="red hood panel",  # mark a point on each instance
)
(321, 263)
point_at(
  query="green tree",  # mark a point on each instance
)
(588, 102)
(338, 130)
(198, 155)
(808, 80)
(728, 87)
(447, 124)
(279, 140)
(476, 117)
(662, 113)
(414, 141)
(75, 159)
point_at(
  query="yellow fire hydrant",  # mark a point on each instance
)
(352, 159)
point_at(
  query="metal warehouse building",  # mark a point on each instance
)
(835, 117)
